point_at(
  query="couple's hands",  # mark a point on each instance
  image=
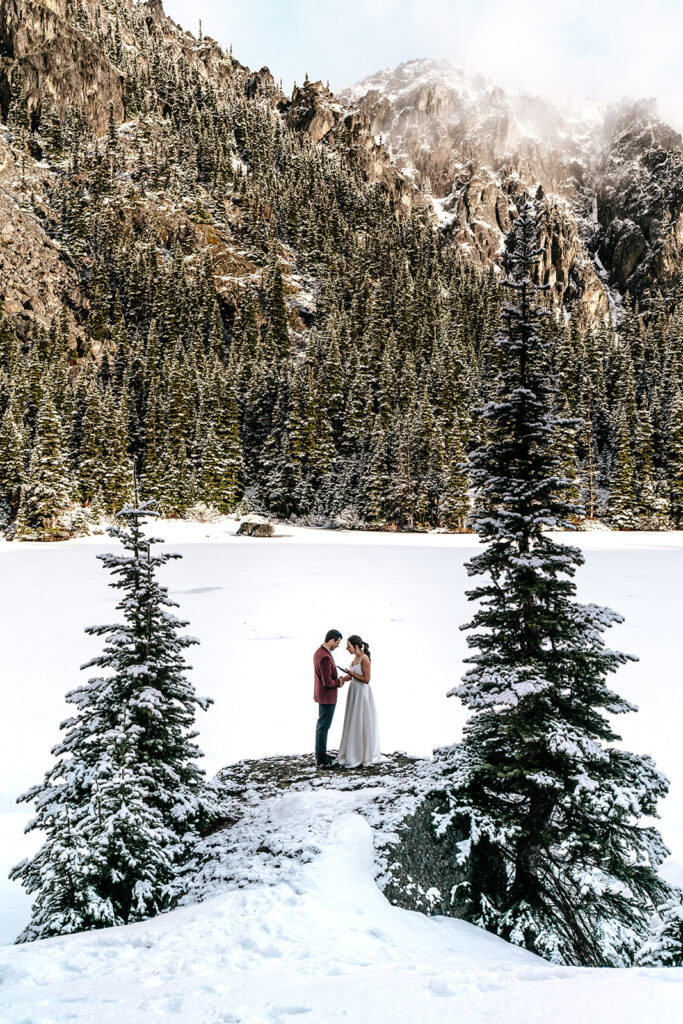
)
(345, 679)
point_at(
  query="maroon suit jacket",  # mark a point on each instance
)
(325, 679)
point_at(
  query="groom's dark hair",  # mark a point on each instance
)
(332, 634)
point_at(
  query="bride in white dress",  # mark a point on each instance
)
(360, 735)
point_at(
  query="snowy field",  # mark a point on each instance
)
(324, 944)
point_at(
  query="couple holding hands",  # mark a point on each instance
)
(359, 744)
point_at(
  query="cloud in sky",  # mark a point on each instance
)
(603, 48)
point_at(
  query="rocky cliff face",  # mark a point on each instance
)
(79, 54)
(314, 110)
(55, 59)
(69, 53)
(638, 185)
(611, 177)
(35, 277)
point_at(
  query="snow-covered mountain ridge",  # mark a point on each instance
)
(611, 174)
(456, 101)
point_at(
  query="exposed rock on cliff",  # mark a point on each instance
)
(639, 189)
(313, 109)
(35, 278)
(54, 58)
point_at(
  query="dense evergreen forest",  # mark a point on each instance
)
(267, 330)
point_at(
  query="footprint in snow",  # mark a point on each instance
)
(440, 988)
(287, 1011)
(173, 1004)
(270, 951)
(197, 590)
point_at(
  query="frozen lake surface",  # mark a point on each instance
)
(260, 608)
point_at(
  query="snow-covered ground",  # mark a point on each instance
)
(322, 943)
(322, 946)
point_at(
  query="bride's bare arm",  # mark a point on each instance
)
(364, 668)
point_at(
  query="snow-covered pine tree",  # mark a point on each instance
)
(277, 326)
(117, 479)
(46, 494)
(375, 481)
(333, 385)
(11, 461)
(621, 502)
(455, 505)
(673, 450)
(217, 483)
(92, 444)
(664, 944)
(122, 805)
(401, 486)
(541, 813)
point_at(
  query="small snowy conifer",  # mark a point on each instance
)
(122, 805)
(664, 945)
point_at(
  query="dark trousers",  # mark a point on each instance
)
(325, 716)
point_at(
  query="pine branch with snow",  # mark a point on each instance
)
(664, 944)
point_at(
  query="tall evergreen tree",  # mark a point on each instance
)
(375, 482)
(455, 504)
(11, 461)
(90, 429)
(674, 460)
(277, 323)
(220, 454)
(47, 491)
(621, 504)
(117, 475)
(541, 811)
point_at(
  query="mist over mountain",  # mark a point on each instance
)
(611, 173)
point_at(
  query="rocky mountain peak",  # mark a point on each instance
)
(423, 105)
(610, 173)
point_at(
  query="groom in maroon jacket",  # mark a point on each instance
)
(325, 686)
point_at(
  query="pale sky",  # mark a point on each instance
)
(602, 48)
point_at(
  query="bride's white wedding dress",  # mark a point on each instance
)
(359, 743)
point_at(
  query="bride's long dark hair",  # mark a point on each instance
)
(364, 646)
